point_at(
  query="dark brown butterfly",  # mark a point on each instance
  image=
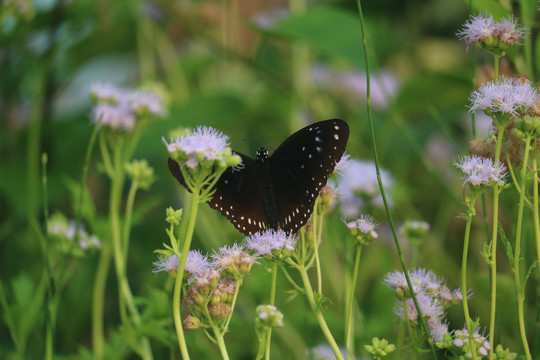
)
(279, 191)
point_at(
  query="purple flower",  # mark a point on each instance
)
(430, 307)
(510, 96)
(196, 263)
(271, 243)
(204, 144)
(235, 260)
(480, 171)
(421, 280)
(363, 227)
(119, 109)
(483, 31)
(358, 187)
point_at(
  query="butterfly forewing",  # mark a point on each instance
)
(301, 166)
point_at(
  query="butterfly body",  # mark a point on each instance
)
(279, 191)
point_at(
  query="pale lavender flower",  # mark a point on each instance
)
(480, 171)
(481, 30)
(430, 307)
(106, 93)
(421, 280)
(510, 96)
(358, 187)
(199, 145)
(195, 263)
(65, 229)
(437, 329)
(116, 117)
(233, 259)
(364, 224)
(342, 163)
(462, 340)
(270, 242)
(269, 316)
(145, 102)
(324, 352)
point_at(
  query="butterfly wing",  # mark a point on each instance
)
(300, 167)
(237, 195)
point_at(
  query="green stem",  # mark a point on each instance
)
(318, 313)
(496, 59)
(98, 300)
(272, 302)
(379, 180)
(127, 221)
(520, 288)
(49, 343)
(494, 233)
(536, 219)
(317, 227)
(349, 318)
(470, 213)
(221, 343)
(193, 207)
(233, 304)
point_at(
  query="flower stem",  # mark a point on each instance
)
(470, 213)
(98, 300)
(520, 288)
(379, 179)
(318, 313)
(194, 206)
(272, 302)
(221, 344)
(536, 219)
(493, 264)
(349, 318)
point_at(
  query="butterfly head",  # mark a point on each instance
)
(262, 155)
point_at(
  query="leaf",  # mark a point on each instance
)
(533, 265)
(490, 7)
(333, 32)
(507, 245)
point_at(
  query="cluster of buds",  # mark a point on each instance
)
(379, 348)
(363, 229)
(414, 230)
(141, 173)
(66, 232)
(268, 316)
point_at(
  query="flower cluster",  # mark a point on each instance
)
(271, 244)
(269, 316)
(211, 285)
(358, 187)
(414, 231)
(433, 297)
(65, 231)
(506, 96)
(379, 348)
(363, 229)
(141, 172)
(486, 33)
(480, 172)
(204, 146)
(119, 109)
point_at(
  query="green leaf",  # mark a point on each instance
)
(507, 245)
(490, 7)
(533, 265)
(331, 31)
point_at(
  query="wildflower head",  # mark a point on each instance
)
(273, 245)
(141, 173)
(173, 217)
(414, 230)
(462, 341)
(430, 307)
(421, 280)
(234, 261)
(196, 263)
(268, 316)
(65, 232)
(480, 172)
(380, 348)
(494, 36)
(528, 127)
(504, 99)
(122, 109)
(358, 187)
(363, 229)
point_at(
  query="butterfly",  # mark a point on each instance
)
(278, 191)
